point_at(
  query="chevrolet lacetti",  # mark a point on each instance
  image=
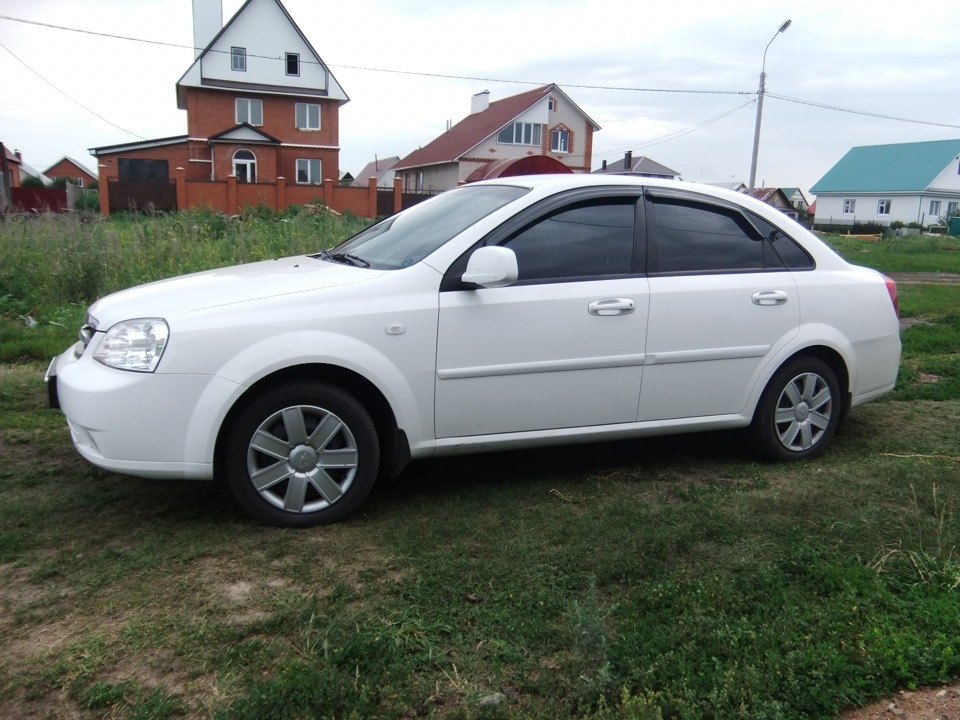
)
(506, 314)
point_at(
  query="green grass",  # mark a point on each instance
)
(666, 578)
(675, 575)
(911, 253)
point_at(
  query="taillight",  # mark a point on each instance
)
(892, 289)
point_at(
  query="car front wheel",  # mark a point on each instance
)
(301, 455)
(798, 412)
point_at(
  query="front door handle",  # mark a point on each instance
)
(769, 297)
(612, 306)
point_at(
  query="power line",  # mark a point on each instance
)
(825, 106)
(812, 103)
(71, 99)
(372, 69)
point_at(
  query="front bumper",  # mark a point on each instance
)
(150, 425)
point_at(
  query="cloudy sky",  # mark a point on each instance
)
(675, 81)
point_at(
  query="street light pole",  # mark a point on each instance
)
(760, 93)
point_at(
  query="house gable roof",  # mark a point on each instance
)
(73, 162)
(904, 167)
(474, 129)
(266, 31)
(640, 165)
(375, 168)
(244, 133)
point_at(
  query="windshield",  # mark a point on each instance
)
(409, 236)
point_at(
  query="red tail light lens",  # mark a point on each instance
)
(892, 289)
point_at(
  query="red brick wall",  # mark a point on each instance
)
(175, 155)
(210, 112)
(67, 169)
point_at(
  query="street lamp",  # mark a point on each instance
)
(756, 129)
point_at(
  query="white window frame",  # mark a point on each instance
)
(934, 208)
(251, 113)
(522, 134)
(883, 206)
(250, 163)
(560, 140)
(79, 182)
(238, 59)
(302, 116)
(307, 165)
(952, 207)
(287, 58)
(849, 206)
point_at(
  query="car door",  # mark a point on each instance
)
(561, 347)
(722, 303)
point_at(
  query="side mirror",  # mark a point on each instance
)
(491, 267)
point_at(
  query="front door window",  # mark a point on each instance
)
(245, 166)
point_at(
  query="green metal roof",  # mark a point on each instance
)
(905, 167)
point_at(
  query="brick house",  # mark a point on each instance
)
(540, 122)
(262, 123)
(72, 170)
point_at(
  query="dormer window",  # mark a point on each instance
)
(293, 64)
(238, 59)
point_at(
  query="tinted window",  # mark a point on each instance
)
(792, 255)
(585, 240)
(704, 238)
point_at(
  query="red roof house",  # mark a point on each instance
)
(543, 121)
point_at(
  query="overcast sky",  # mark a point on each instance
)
(897, 59)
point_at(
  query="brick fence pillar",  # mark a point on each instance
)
(232, 206)
(181, 180)
(281, 193)
(103, 186)
(372, 196)
(328, 199)
(397, 194)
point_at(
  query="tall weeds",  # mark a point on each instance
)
(54, 260)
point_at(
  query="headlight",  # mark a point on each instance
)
(134, 344)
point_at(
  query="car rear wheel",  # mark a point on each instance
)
(304, 454)
(798, 412)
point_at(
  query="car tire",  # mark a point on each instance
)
(798, 411)
(304, 454)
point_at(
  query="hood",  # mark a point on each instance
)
(226, 286)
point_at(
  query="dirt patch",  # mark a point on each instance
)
(925, 278)
(925, 704)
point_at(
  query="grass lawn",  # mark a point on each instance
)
(664, 578)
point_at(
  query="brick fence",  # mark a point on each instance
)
(229, 196)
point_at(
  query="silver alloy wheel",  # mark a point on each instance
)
(803, 411)
(302, 459)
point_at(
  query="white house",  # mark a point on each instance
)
(907, 182)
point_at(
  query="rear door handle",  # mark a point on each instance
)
(769, 297)
(612, 306)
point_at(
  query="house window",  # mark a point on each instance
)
(883, 207)
(245, 166)
(293, 64)
(551, 104)
(560, 141)
(849, 207)
(249, 111)
(308, 171)
(79, 182)
(308, 116)
(520, 134)
(238, 59)
(951, 208)
(935, 208)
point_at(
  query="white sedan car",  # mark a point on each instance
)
(506, 314)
